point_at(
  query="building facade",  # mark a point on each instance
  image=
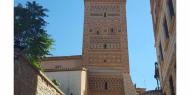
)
(164, 24)
(105, 51)
(105, 48)
(68, 71)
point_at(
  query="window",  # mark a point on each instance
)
(106, 86)
(165, 26)
(161, 54)
(171, 86)
(105, 46)
(90, 30)
(105, 14)
(111, 29)
(171, 8)
(97, 33)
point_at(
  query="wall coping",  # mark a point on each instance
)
(53, 58)
(51, 83)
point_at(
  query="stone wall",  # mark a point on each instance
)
(30, 81)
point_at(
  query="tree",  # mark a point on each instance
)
(30, 35)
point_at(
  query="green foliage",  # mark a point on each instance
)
(30, 35)
(55, 82)
(37, 65)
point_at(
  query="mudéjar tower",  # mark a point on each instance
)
(105, 48)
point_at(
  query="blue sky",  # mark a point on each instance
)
(66, 27)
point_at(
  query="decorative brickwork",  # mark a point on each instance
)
(106, 83)
(101, 85)
(105, 49)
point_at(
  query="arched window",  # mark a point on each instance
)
(90, 30)
(105, 14)
(112, 30)
(105, 46)
(97, 32)
(106, 86)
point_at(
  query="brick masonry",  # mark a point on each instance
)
(105, 48)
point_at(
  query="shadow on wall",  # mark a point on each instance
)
(30, 81)
(25, 77)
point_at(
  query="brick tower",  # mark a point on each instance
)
(105, 48)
